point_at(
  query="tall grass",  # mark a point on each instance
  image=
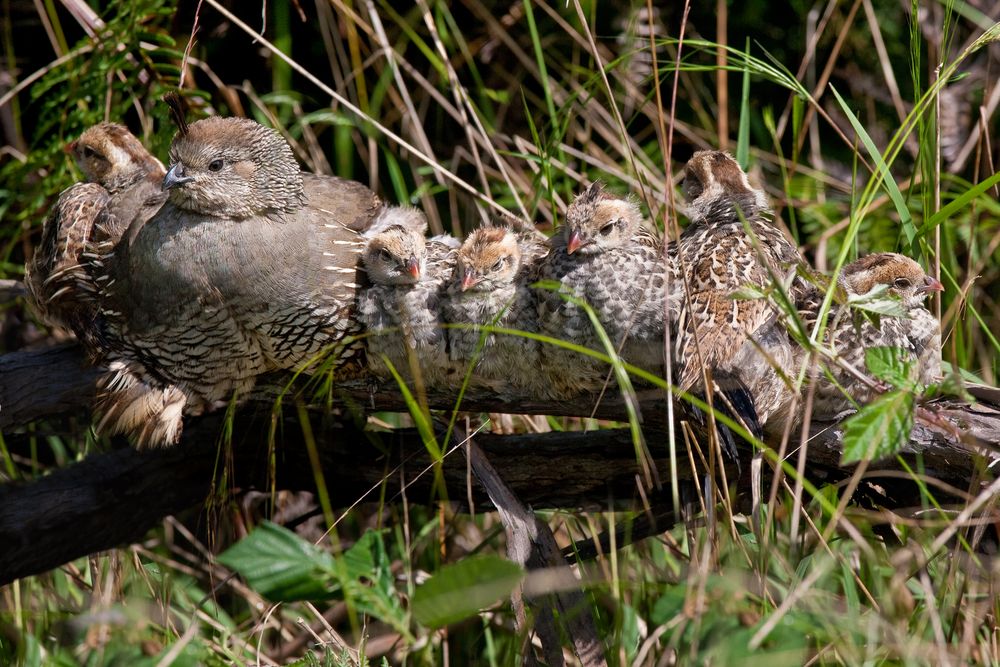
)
(472, 108)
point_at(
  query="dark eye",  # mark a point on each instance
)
(215, 165)
(499, 264)
(608, 228)
(385, 254)
(901, 283)
(89, 152)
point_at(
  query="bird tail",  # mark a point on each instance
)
(734, 400)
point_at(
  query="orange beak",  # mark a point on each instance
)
(468, 280)
(932, 285)
(413, 267)
(69, 148)
(574, 243)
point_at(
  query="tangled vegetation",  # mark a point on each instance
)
(871, 125)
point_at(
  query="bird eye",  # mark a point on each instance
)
(901, 283)
(499, 264)
(385, 254)
(608, 228)
(89, 152)
(215, 165)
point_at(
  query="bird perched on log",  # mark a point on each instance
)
(850, 331)
(610, 258)
(249, 267)
(120, 177)
(731, 244)
(401, 310)
(495, 266)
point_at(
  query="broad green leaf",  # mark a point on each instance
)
(280, 565)
(880, 429)
(460, 590)
(892, 365)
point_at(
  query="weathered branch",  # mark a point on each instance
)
(114, 498)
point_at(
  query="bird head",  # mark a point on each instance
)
(488, 260)
(109, 155)
(597, 221)
(714, 184)
(233, 168)
(902, 277)
(396, 250)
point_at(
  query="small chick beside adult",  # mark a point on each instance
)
(495, 266)
(401, 309)
(607, 256)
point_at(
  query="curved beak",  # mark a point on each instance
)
(413, 266)
(468, 280)
(175, 176)
(574, 243)
(931, 285)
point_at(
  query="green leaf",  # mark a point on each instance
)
(909, 229)
(892, 365)
(460, 590)
(280, 565)
(743, 133)
(880, 429)
(960, 202)
(365, 573)
(878, 301)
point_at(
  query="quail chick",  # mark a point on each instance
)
(121, 176)
(249, 267)
(738, 340)
(494, 269)
(401, 310)
(608, 257)
(850, 333)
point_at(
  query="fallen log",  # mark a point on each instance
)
(113, 498)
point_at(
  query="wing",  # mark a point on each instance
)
(56, 270)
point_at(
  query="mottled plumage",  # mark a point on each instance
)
(401, 310)
(739, 338)
(607, 256)
(850, 332)
(250, 267)
(120, 177)
(495, 266)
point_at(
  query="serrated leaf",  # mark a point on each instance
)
(280, 565)
(460, 590)
(879, 429)
(891, 364)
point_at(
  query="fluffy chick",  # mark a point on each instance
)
(494, 269)
(850, 332)
(607, 256)
(401, 309)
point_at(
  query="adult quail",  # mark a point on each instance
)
(850, 332)
(731, 244)
(607, 256)
(495, 266)
(401, 310)
(120, 177)
(250, 266)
